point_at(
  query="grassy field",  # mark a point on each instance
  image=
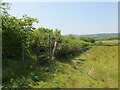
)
(102, 66)
(111, 41)
(96, 68)
(108, 42)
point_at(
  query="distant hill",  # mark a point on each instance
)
(98, 36)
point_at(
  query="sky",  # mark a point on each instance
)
(71, 17)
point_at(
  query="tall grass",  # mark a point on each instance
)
(97, 68)
(102, 66)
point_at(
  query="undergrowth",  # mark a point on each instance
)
(96, 68)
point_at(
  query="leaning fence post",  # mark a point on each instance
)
(55, 44)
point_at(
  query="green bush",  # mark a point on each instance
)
(70, 47)
(87, 39)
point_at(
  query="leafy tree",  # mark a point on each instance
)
(15, 32)
(71, 36)
(42, 43)
(4, 7)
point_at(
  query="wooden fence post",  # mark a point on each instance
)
(55, 44)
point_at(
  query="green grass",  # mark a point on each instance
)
(108, 42)
(102, 66)
(99, 70)
(96, 68)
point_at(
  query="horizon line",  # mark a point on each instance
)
(94, 33)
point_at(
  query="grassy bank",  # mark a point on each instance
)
(97, 68)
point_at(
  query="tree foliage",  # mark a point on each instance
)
(43, 40)
(15, 32)
(4, 7)
(87, 39)
(71, 46)
(39, 42)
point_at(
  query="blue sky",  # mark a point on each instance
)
(71, 17)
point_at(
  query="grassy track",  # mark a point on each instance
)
(102, 66)
(97, 68)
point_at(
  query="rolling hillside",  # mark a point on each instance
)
(99, 36)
